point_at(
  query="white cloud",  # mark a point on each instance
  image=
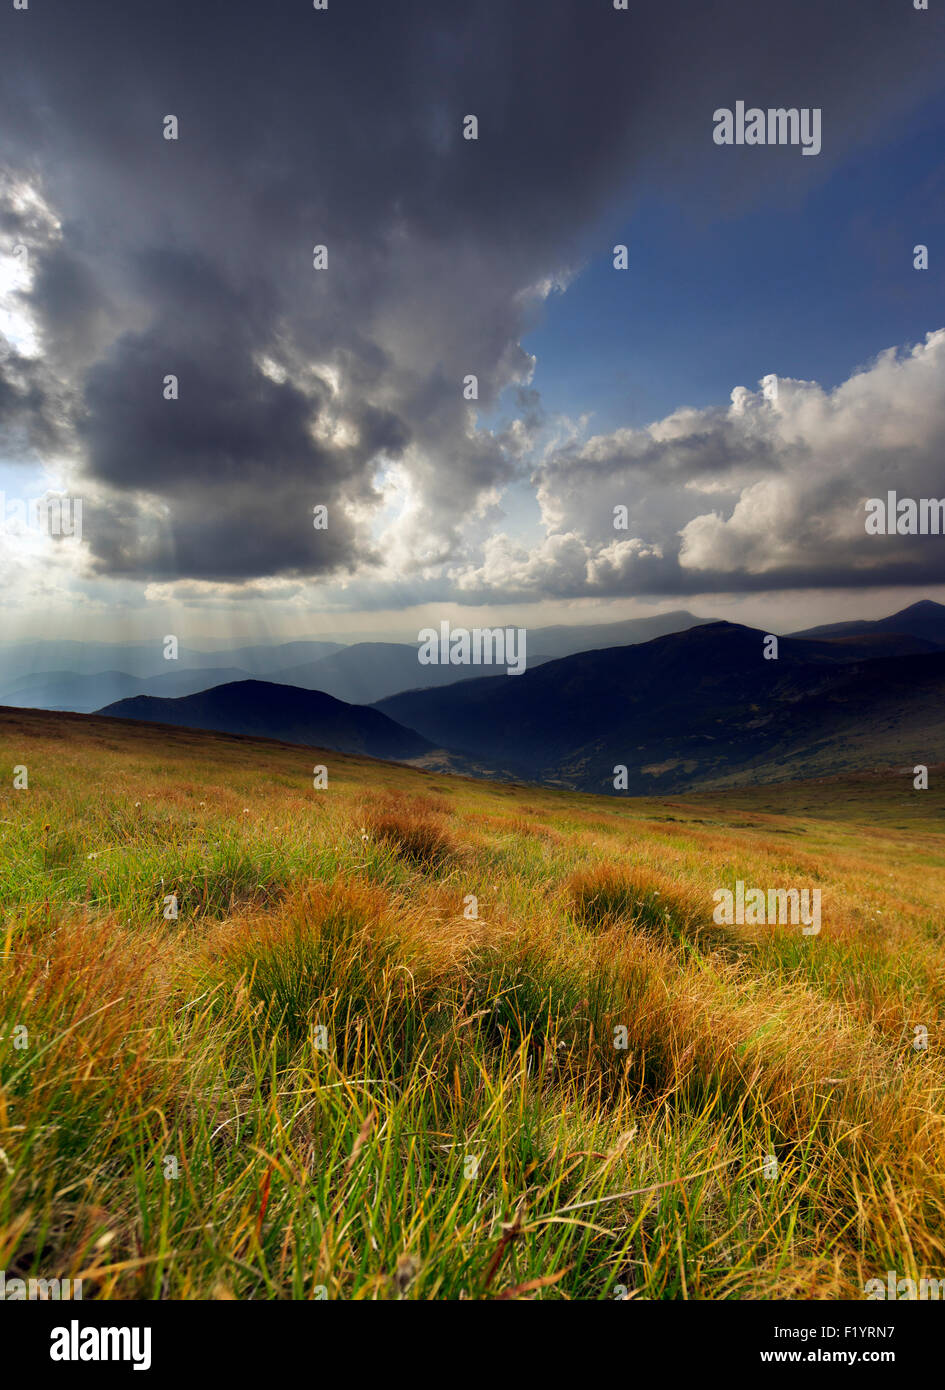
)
(788, 467)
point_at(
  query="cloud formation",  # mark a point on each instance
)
(344, 386)
(767, 493)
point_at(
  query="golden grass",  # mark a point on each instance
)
(418, 1038)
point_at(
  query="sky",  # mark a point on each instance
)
(768, 360)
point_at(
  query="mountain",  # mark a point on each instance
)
(367, 672)
(68, 675)
(84, 676)
(266, 659)
(68, 690)
(924, 619)
(700, 708)
(262, 709)
(568, 639)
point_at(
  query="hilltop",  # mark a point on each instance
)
(286, 712)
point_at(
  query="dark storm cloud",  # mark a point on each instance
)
(76, 314)
(36, 413)
(343, 127)
(232, 458)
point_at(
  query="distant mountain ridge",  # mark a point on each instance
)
(567, 639)
(145, 659)
(371, 673)
(694, 709)
(700, 708)
(925, 619)
(36, 675)
(65, 690)
(367, 672)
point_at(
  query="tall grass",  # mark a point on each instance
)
(470, 1042)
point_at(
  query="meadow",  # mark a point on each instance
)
(413, 1036)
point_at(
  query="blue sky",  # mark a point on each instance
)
(809, 286)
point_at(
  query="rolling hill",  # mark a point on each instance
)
(367, 672)
(146, 659)
(262, 709)
(701, 708)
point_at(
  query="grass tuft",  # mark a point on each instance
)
(479, 1042)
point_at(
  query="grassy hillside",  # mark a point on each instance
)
(365, 1091)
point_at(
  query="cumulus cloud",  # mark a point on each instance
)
(788, 467)
(882, 429)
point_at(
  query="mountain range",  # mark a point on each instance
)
(66, 675)
(699, 708)
(702, 708)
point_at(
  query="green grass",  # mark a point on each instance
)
(411, 1037)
